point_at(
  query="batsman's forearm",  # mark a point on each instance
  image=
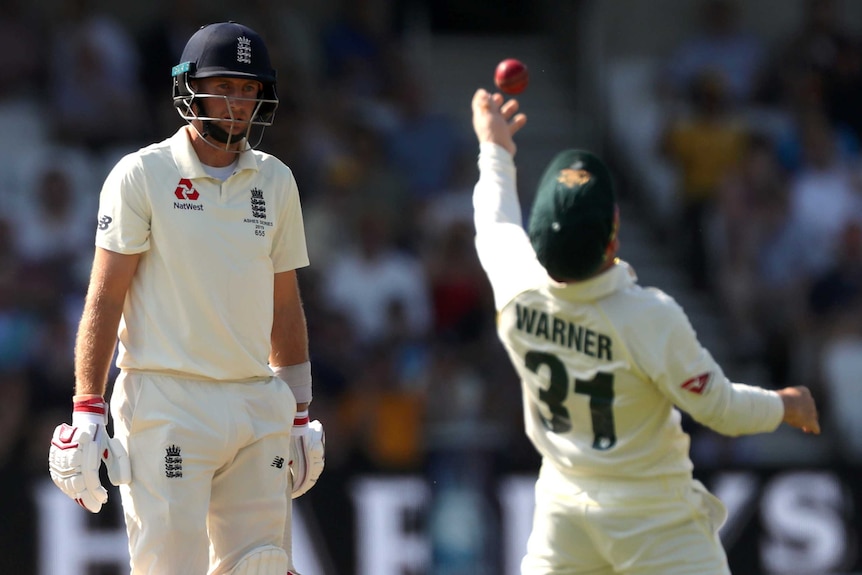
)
(94, 346)
(289, 355)
(289, 338)
(289, 345)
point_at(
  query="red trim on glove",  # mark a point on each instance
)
(91, 405)
(66, 435)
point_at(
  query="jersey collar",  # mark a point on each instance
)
(187, 160)
(618, 277)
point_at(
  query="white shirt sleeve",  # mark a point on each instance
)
(668, 351)
(289, 250)
(125, 215)
(502, 244)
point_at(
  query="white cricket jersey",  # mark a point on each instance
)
(604, 363)
(201, 302)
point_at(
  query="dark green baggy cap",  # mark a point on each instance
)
(572, 218)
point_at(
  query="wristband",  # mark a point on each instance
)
(298, 378)
(89, 409)
(301, 418)
(300, 424)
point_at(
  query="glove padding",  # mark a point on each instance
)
(306, 456)
(74, 458)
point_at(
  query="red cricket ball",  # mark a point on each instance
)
(511, 76)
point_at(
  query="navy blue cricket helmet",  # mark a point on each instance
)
(224, 49)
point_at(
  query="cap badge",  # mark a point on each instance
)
(243, 50)
(571, 178)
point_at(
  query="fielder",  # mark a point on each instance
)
(604, 365)
(198, 242)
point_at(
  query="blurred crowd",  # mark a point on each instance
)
(764, 140)
(406, 364)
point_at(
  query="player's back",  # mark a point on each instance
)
(589, 407)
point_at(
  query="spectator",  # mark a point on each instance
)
(815, 44)
(824, 193)
(703, 148)
(356, 50)
(737, 232)
(786, 258)
(356, 176)
(294, 26)
(381, 418)
(51, 372)
(94, 87)
(160, 45)
(459, 290)
(806, 105)
(22, 53)
(839, 288)
(843, 87)
(719, 47)
(56, 228)
(365, 282)
(423, 145)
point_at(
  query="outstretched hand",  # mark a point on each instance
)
(496, 120)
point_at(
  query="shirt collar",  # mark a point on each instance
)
(187, 159)
(619, 276)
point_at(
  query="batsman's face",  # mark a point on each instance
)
(233, 101)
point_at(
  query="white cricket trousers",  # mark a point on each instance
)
(638, 526)
(209, 469)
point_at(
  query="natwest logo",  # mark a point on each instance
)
(185, 190)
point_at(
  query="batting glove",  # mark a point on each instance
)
(306, 453)
(77, 451)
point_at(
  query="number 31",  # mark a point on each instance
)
(600, 390)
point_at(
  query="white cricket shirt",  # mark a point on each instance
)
(201, 302)
(605, 364)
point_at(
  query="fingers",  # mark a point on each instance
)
(93, 494)
(814, 424)
(518, 122)
(481, 100)
(486, 101)
(74, 467)
(496, 119)
(92, 502)
(509, 108)
(307, 459)
(809, 411)
(515, 120)
(800, 409)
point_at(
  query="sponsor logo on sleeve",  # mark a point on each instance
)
(698, 383)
